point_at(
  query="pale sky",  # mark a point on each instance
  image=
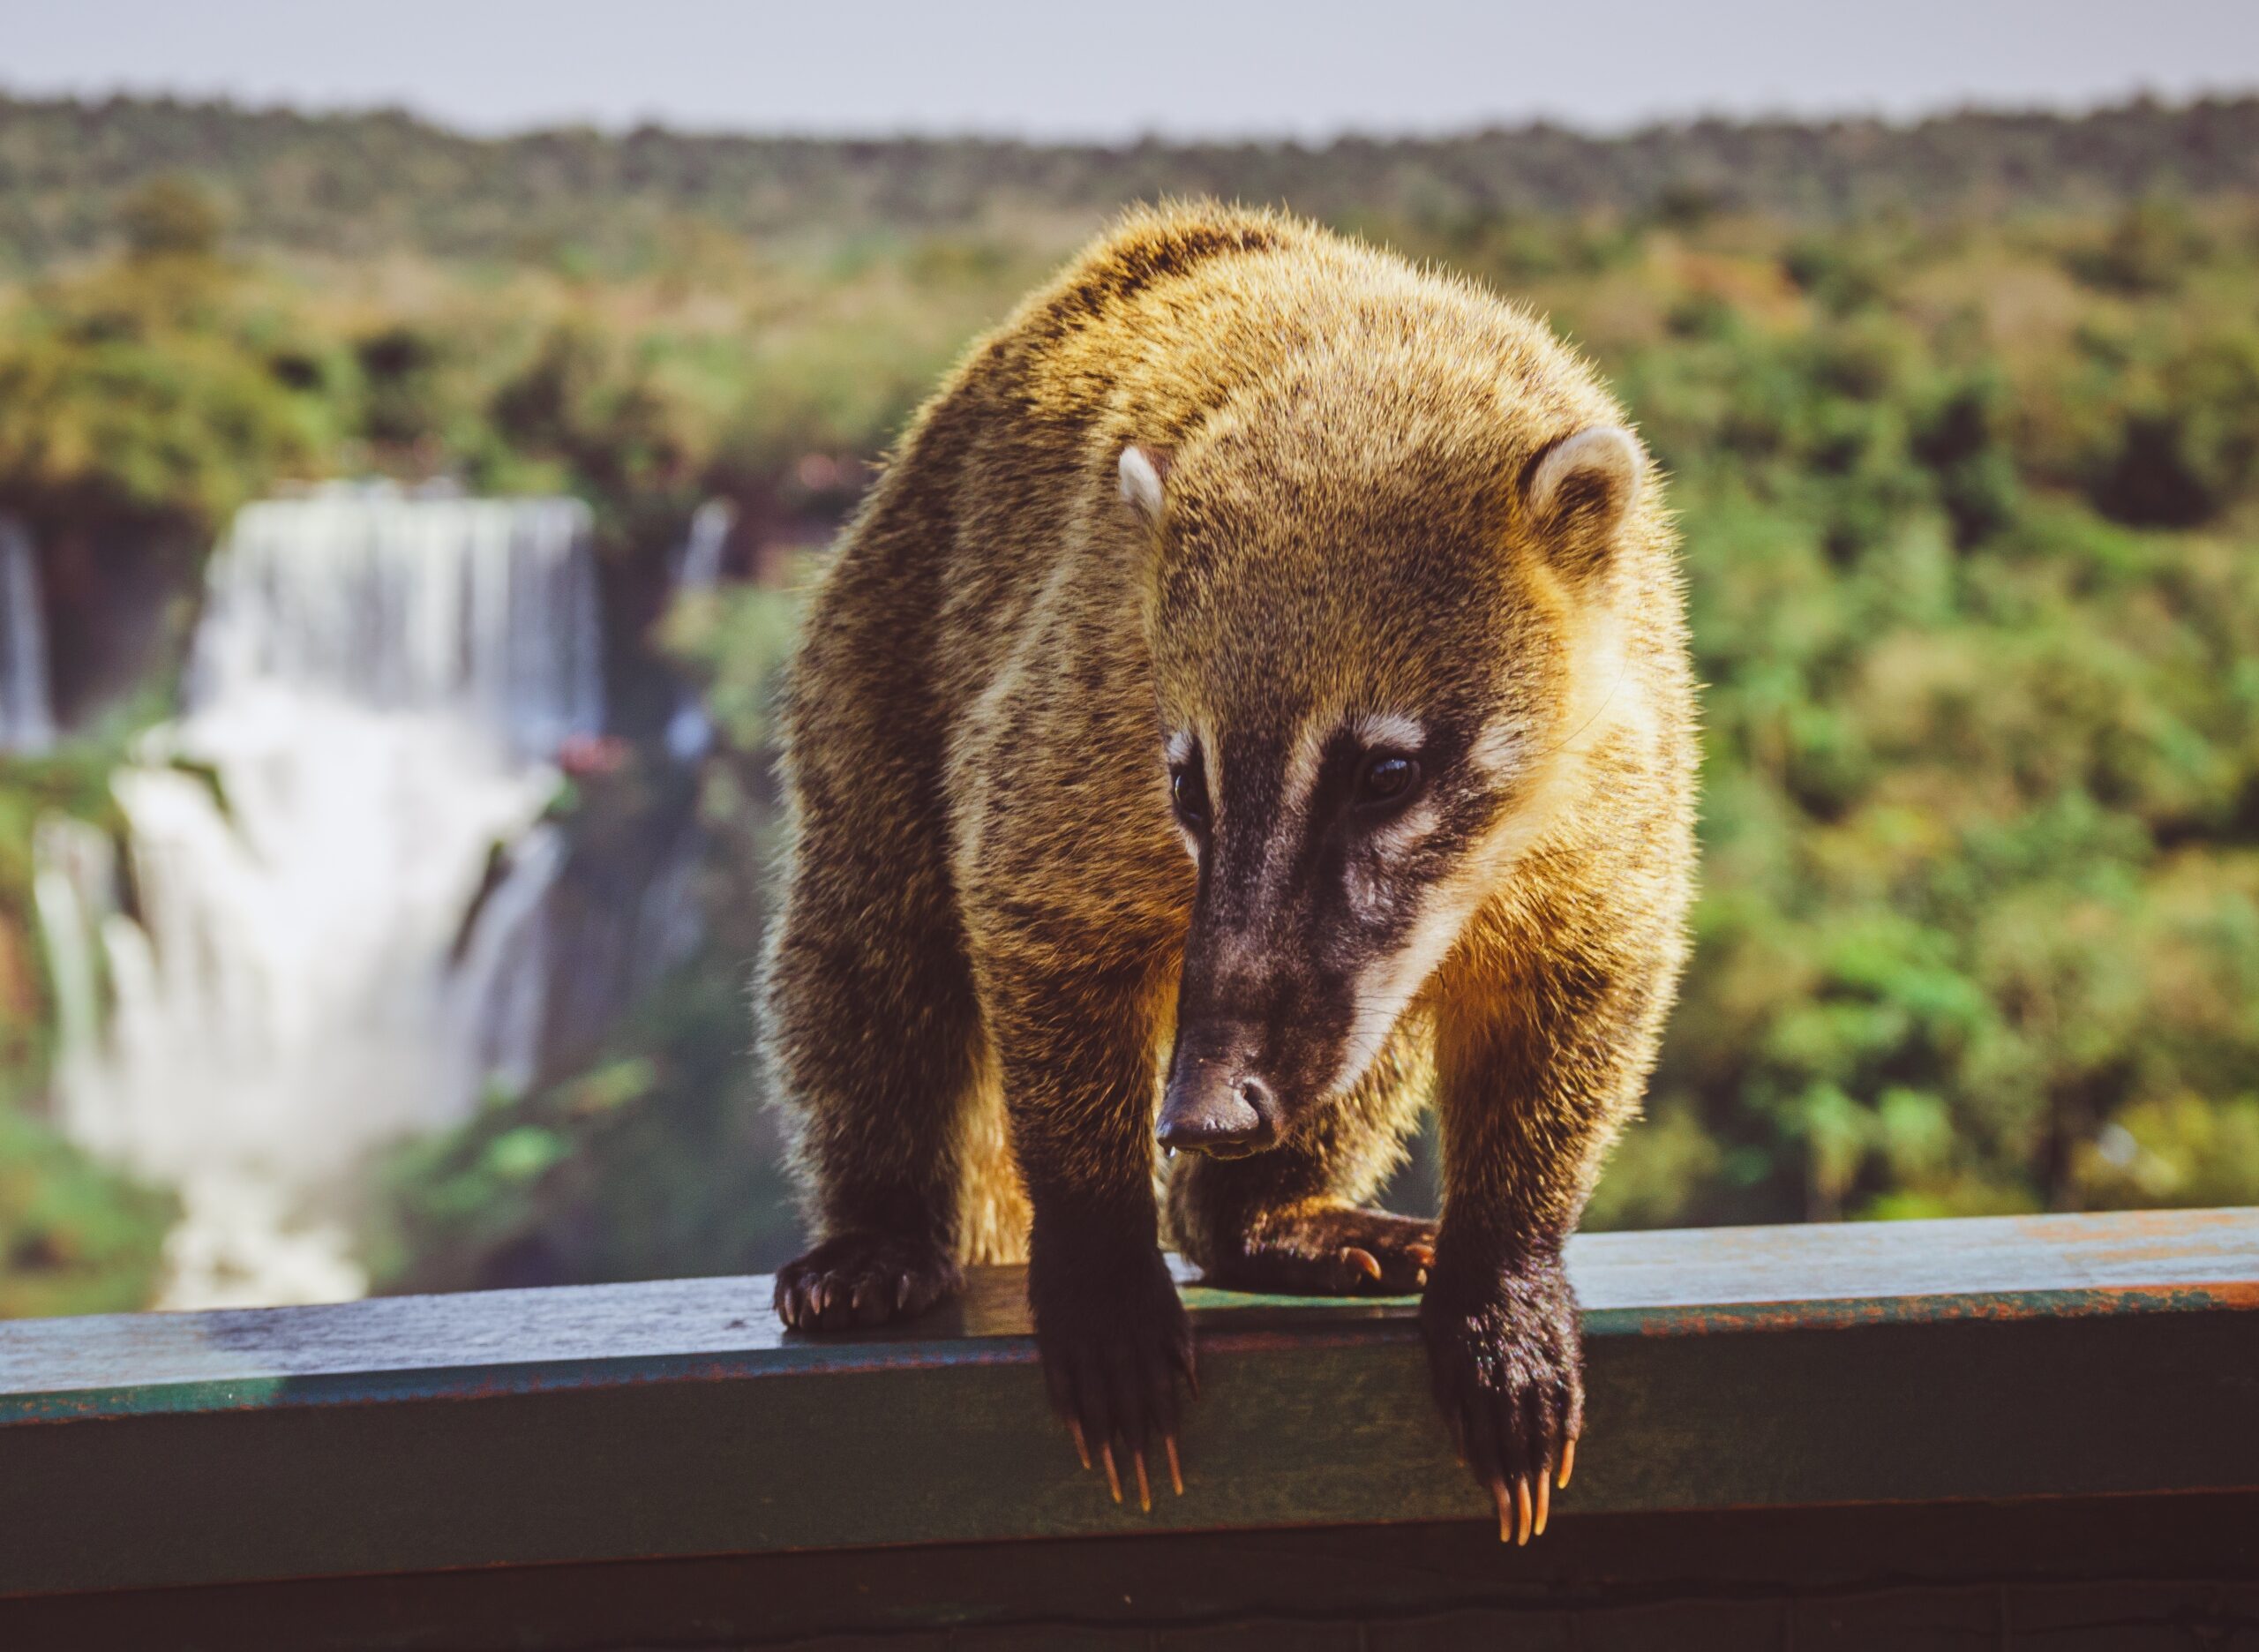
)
(1076, 69)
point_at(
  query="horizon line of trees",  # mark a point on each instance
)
(355, 184)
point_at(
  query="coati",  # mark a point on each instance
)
(1253, 699)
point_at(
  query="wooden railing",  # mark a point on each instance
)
(1786, 1426)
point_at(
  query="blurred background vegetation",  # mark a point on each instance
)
(1963, 420)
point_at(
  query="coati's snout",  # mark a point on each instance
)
(1306, 901)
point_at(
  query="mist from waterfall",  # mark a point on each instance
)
(338, 870)
(27, 709)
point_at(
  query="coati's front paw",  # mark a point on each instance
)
(1336, 1250)
(1509, 1375)
(865, 1278)
(1115, 1341)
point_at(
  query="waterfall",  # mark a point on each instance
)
(338, 865)
(698, 564)
(27, 716)
(697, 574)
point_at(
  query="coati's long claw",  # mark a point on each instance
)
(1175, 1473)
(1503, 1357)
(1113, 1478)
(1568, 1460)
(1111, 1359)
(1364, 1260)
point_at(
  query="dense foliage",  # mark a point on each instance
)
(1971, 503)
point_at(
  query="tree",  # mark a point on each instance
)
(170, 217)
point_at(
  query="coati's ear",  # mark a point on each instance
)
(1578, 492)
(1144, 474)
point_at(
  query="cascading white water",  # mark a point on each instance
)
(698, 564)
(27, 713)
(338, 866)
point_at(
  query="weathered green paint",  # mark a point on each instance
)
(2056, 1357)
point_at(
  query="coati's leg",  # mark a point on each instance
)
(1077, 1051)
(872, 1032)
(1292, 1220)
(1532, 1084)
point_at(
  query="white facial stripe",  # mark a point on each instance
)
(1407, 829)
(1390, 730)
(1388, 987)
(1365, 876)
(1178, 751)
(1501, 750)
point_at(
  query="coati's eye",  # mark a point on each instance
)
(1188, 789)
(1387, 779)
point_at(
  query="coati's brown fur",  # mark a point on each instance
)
(1257, 689)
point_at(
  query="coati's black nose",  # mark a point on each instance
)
(1213, 1105)
(1231, 1125)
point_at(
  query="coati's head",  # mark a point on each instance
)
(1372, 665)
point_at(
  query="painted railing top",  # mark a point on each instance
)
(2059, 1355)
(1659, 1282)
(1698, 1280)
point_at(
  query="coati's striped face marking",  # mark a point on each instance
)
(1325, 850)
(1359, 746)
